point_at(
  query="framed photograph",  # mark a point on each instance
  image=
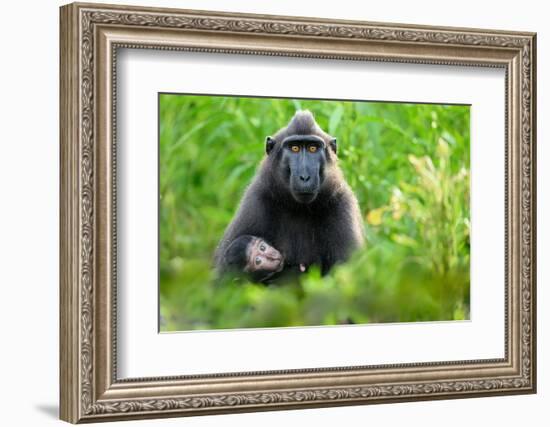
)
(266, 212)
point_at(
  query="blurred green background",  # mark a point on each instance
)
(408, 165)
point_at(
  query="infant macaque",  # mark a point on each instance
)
(254, 257)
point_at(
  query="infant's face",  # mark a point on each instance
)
(263, 257)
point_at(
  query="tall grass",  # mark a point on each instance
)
(408, 165)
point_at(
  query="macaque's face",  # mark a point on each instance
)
(263, 257)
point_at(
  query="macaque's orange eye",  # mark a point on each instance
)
(312, 148)
(295, 148)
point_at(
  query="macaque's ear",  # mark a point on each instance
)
(334, 145)
(269, 144)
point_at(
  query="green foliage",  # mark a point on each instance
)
(408, 165)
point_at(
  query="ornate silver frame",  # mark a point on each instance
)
(90, 36)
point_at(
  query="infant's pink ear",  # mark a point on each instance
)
(302, 268)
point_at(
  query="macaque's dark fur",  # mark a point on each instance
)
(323, 232)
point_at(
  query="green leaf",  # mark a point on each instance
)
(335, 119)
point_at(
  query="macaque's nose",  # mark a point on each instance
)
(305, 178)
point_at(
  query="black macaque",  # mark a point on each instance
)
(298, 204)
(252, 256)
